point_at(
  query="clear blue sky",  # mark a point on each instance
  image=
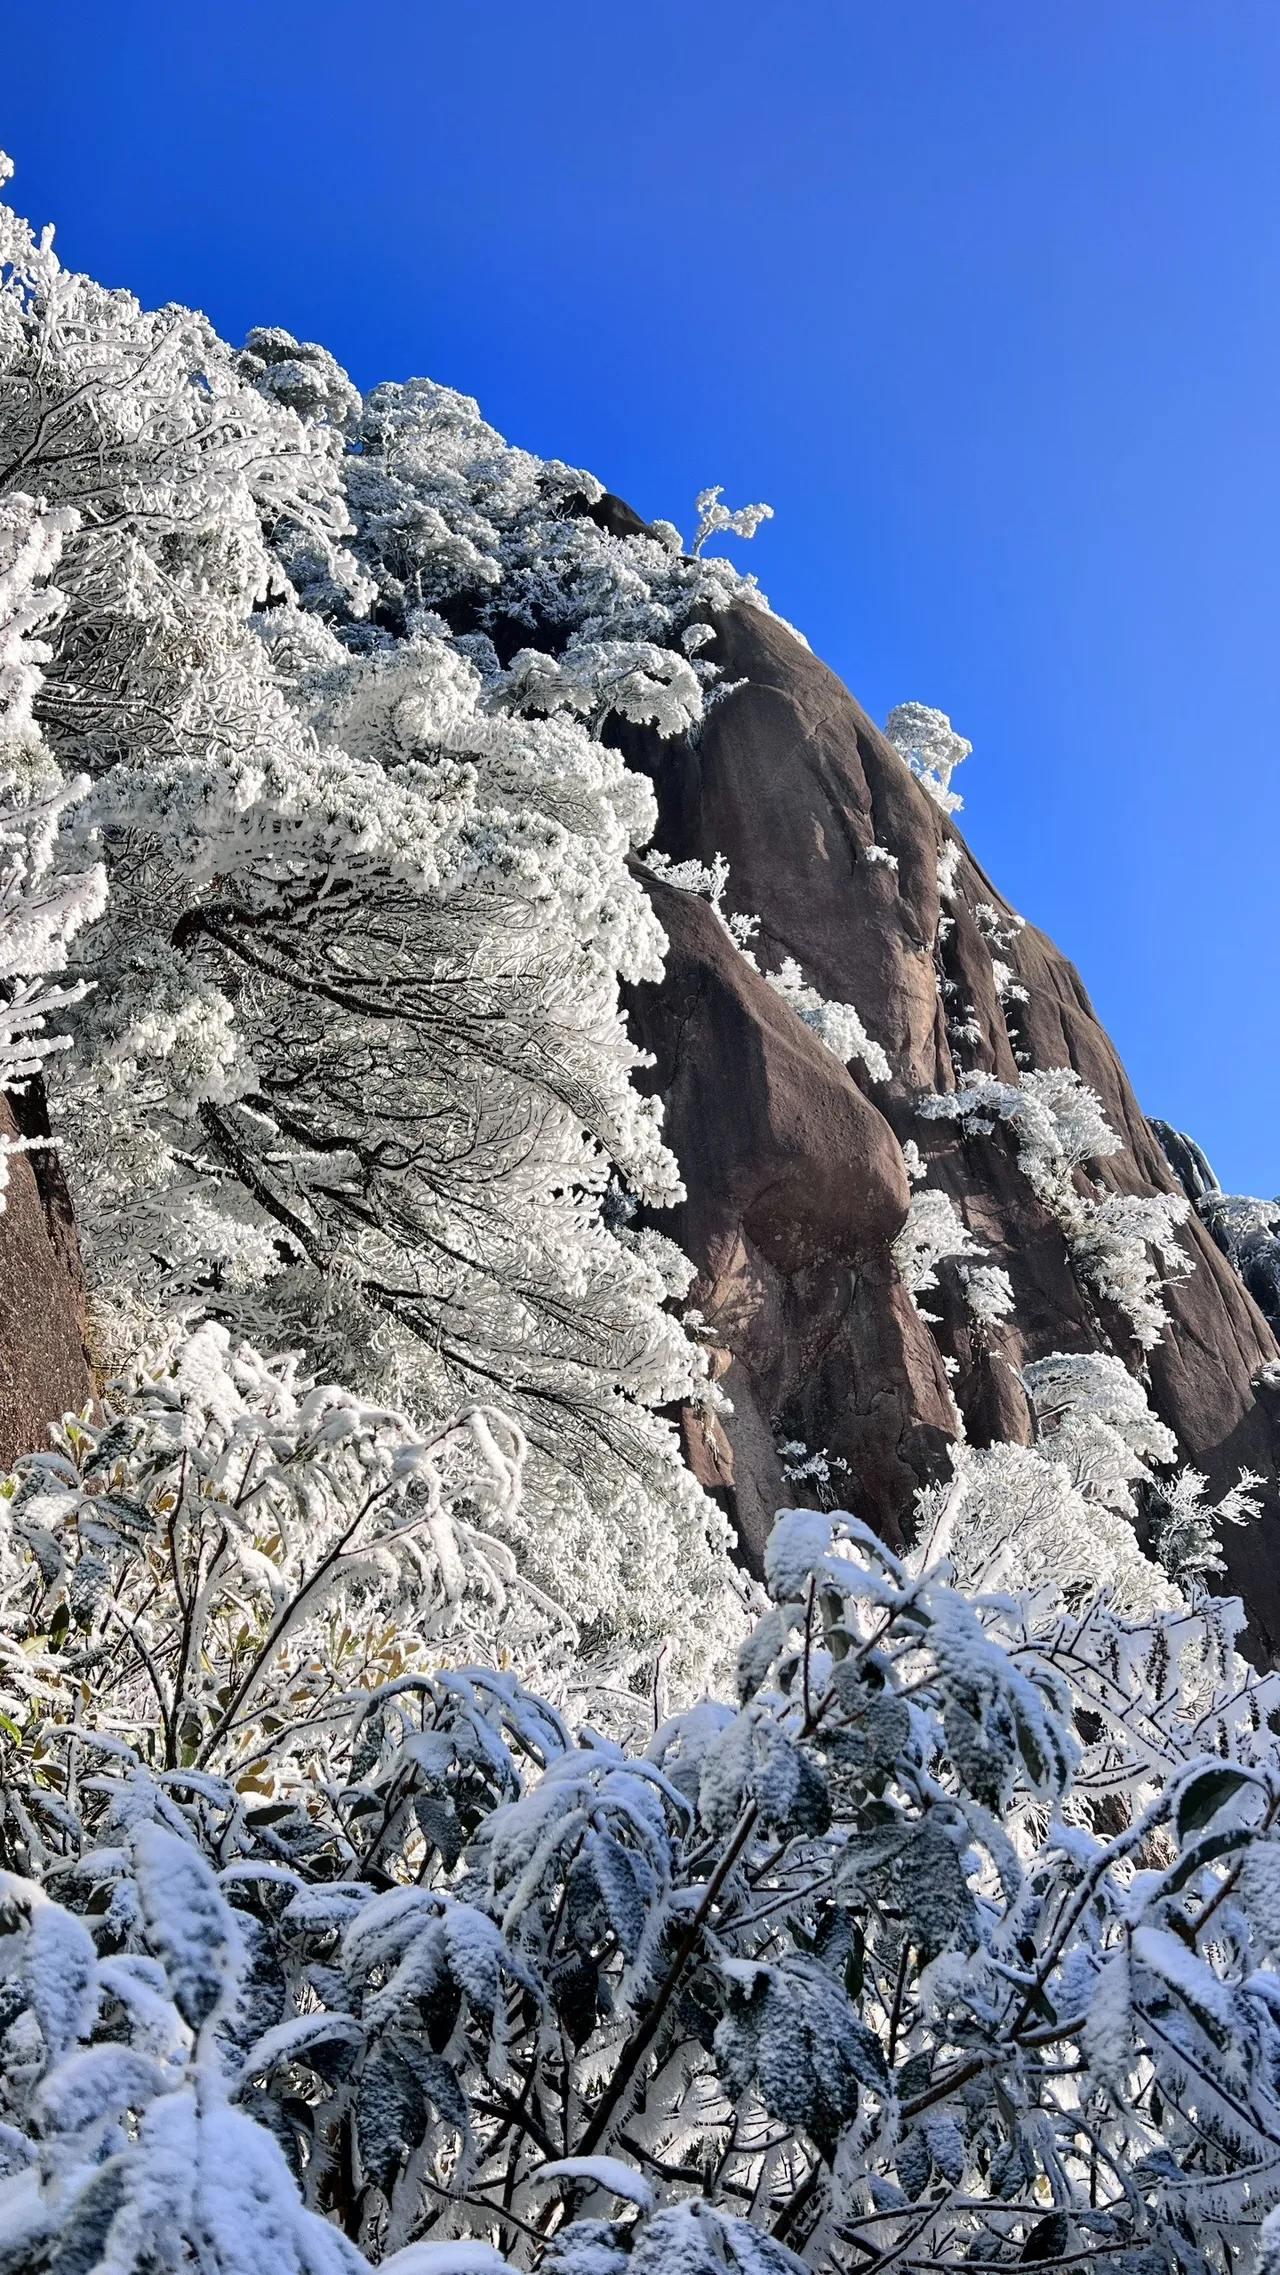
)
(981, 295)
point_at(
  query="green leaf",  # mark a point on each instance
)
(1048, 2239)
(1204, 1852)
(1203, 1796)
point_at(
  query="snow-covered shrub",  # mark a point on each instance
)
(1095, 1417)
(1186, 1524)
(948, 865)
(1096, 1425)
(595, 678)
(1059, 1125)
(1057, 1120)
(813, 1469)
(951, 1940)
(1111, 1247)
(928, 743)
(709, 880)
(236, 1555)
(41, 910)
(716, 520)
(913, 1162)
(838, 1025)
(988, 1295)
(1023, 1521)
(932, 1232)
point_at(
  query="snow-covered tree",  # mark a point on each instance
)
(933, 1231)
(41, 909)
(1095, 1417)
(988, 1296)
(928, 743)
(716, 520)
(353, 1071)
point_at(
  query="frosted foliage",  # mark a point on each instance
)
(241, 1552)
(1024, 1521)
(1059, 1125)
(352, 1070)
(42, 906)
(594, 678)
(1095, 1417)
(914, 1162)
(716, 520)
(932, 749)
(1058, 1122)
(1095, 1424)
(1187, 1524)
(933, 1232)
(950, 1937)
(837, 1025)
(988, 1295)
(1111, 1250)
(709, 880)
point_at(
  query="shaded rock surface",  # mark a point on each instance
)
(1246, 1229)
(794, 1166)
(44, 1365)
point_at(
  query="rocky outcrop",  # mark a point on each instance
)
(44, 1365)
(794, 1166)
(796, 1188)
(1246, 1229)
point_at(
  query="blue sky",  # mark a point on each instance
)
(980, 295)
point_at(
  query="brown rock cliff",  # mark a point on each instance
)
(793, 1165)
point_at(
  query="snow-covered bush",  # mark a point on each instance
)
(999, 929)
(1023, 1521)
(235, 1555)
(1059, 1125)
(709, 880)
(1057, 1120)
(1095, 1417)
(655, 686)
(988, 1296)
(948, 865)
(41, 910)
(838, 1025)
(1111, 1247)
(932, 1232)
(1186, 1524)
(928, 743)
(1113, 1453)
(950, 1942)
(716, 520)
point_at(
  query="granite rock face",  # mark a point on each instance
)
(44, 1365)
(794, 1165)
(1246, 1229)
